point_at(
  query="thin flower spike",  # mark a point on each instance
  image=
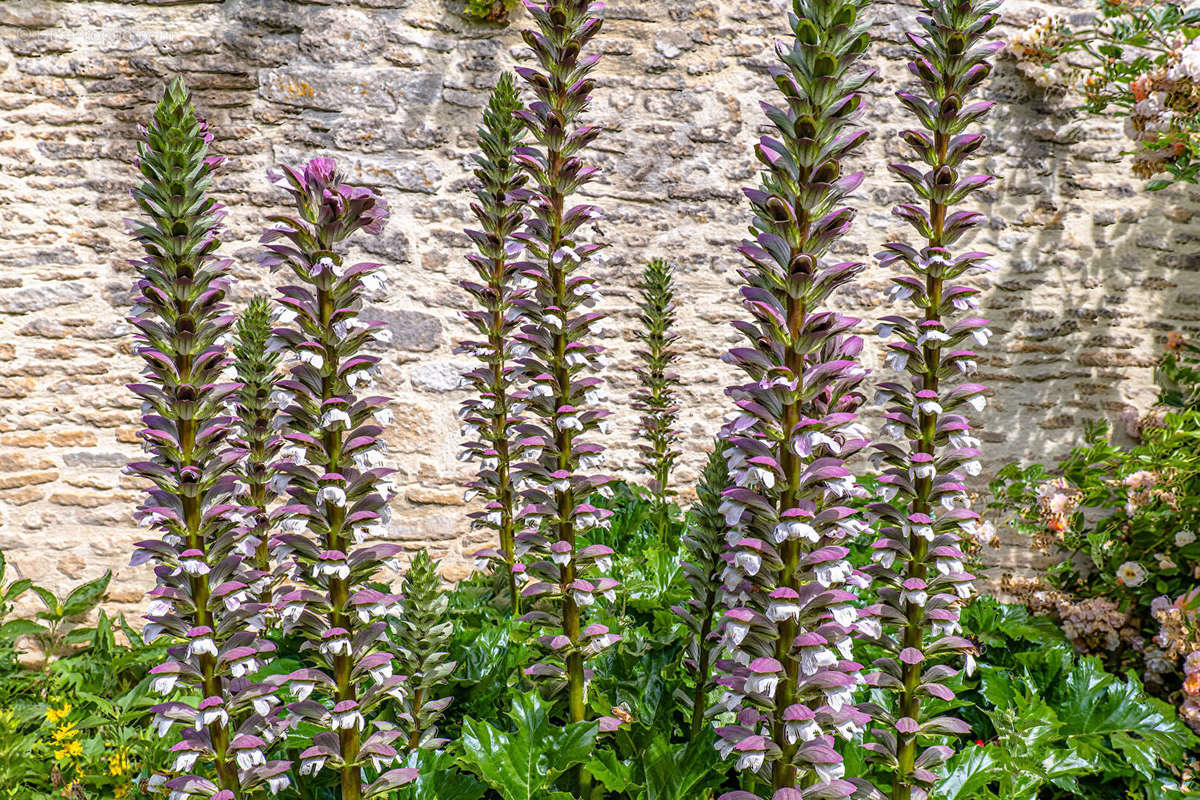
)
(704, 542)
(790, 620)
(490, 418)
(200, 600)
(422, 638)
(257, 371)
(656, 397)
(923, 504)
(331, 468)
(561, 366)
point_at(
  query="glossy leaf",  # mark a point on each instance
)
(523, 763)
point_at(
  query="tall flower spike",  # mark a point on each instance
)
(337, 487)
(257, 370)
(200, 599)
(924, 502)
(790, 620)
(656, 398)
(704, 542)
(422, 635)
(490, 418)
(563, 389)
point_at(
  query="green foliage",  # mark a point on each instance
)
(1051, 724)
(1119, 507)
(12, 629)
(439, 780)
(490, 10)
(523, 762)
(79, 726)
(1178, 374)
(652, 767)
(1132, 46)
(61, 618)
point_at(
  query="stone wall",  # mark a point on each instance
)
(1092, 272)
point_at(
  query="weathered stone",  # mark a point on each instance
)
(439, 497)
(391, 245)
(22, 496)
(93, 459)
(27, 479)
(72, 566)
(412, 429)
(37, 298)
(381, 88)
(73, 438)
(438, 376)
(14, 461)
(411, 330)
(342, 35)
(83, 499)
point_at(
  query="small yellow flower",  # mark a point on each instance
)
(56, 714)
(64, 732)
(118, 762)
(120, 792)
(69, 750)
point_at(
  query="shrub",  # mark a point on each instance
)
(1142, 65)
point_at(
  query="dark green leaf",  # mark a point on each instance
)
(522, 765)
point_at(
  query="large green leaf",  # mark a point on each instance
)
(14, 590)
(1099, 711)
(997, 687)
(50, 601)
(84, 598)
(677, 771)
(19, 627)
(439, 779)
(608, 768)
(969, 774)
(1000, 624)
(1059, 719)
(523, 764)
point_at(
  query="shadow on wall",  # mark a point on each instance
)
(1094, 273)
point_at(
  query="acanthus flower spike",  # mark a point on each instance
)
(704, 544)
(490, 417)
(923, 506)
(257, 400)
(422, 634)
(183, 327)
(329, 466)
(563, 404)
(656, 397)
(790, 677)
